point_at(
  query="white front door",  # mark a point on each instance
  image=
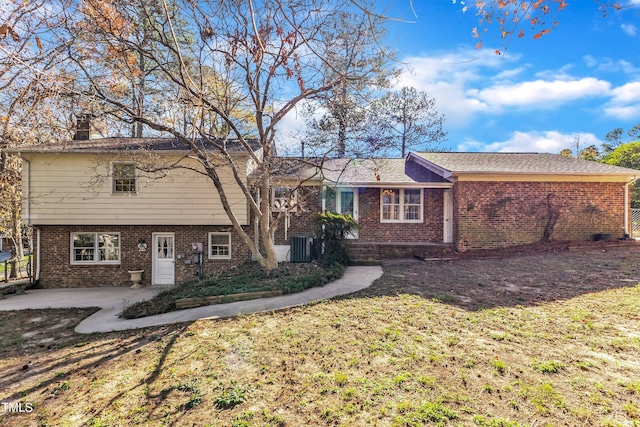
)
(163, 259)
(447, 233)
(343, 201)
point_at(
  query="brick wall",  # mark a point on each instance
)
(56, 270)
(430, 230)
(497, 214)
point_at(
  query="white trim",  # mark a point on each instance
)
(626, 209)
(343, 189)
(219, 233)
(447, 217)
(154, 258)
(27, 190)
(338, 193)
(113, 179)
(96, 249)
(401, 206)
(390, 184)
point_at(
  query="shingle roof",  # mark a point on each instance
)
(356, 172)
(520, 163)
(102, 145)
(362, 171)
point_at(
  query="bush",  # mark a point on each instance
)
(330, 230)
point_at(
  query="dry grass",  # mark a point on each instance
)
(388, 358)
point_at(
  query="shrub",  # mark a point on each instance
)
(331, 229)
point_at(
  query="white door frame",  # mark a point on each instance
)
(447, 217)
(356, 205)
(156, 260)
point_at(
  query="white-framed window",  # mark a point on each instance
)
(123, 178)
(401, 205)
(95, 248)
(283, 198)
(219, 245)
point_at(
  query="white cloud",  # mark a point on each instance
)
(629, 29)
(540, 93)
(629, 92)
(625, 103)
(447, 76)
(508, 74)
(608, 65)
(537, 142)
(590, 61)
(289, 134)
(623, 112)
(469, 83)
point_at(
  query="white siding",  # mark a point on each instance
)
(75, 189)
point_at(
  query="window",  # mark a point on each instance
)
(412, 204)
(124, 178)
(95, 248)
(401, 205)
(283, 198)
(219, 245)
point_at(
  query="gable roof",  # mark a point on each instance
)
(119, 144)
(450, 163)
(377, 171)
(357, 172)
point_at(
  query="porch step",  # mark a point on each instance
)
(376, 251)
(363, 253)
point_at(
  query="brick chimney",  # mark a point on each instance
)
(88, 127)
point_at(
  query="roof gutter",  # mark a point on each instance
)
(385, 184)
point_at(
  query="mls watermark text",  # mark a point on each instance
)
(16, 407)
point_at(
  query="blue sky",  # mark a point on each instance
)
(581, 80)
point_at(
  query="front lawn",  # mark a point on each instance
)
(288, 278)
(549, 339)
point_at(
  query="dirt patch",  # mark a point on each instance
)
(522, 275)
(30, 332)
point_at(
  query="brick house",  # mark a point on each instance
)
(472, 201)
(96, 215)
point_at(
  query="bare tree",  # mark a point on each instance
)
(31, 108)
(273, 54)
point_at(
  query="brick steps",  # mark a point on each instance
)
(363, 252)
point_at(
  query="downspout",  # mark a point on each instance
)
(37, 275)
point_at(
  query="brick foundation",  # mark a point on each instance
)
(56, 270)
(497, 214)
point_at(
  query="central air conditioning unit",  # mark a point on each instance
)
(301, 248)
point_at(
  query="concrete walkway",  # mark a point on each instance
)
(113, 300)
